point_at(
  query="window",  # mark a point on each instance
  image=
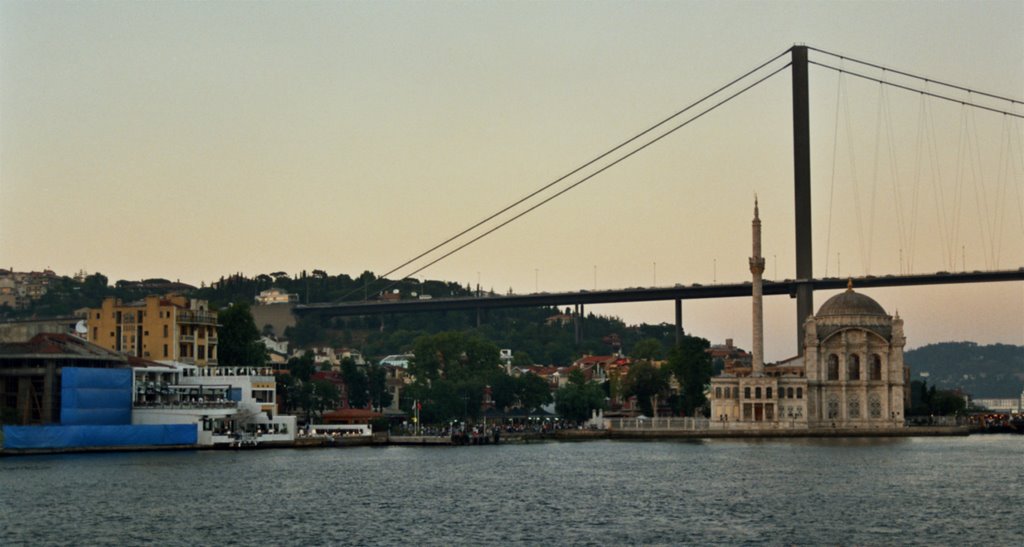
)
(718, 393)
(165, 350)
(876, 367)
(875, 406)
(789, 392)
(727, 395)
(833, 367)
(95, 333)
(854, 407)
(799, 393)
(853, 367)
(746, 392)
(833, 407)
(767, 393)
(757, 392)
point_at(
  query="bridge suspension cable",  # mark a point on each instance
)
(575, 171)
(916, 77)
(928, 93)
(595, 173)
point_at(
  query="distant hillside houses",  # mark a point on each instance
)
(19, 289)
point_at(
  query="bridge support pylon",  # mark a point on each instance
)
(679, 322)
(802, 191)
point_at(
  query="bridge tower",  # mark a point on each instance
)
(802, 192)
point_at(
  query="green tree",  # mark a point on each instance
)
(648, 349)
(302, 367)
(532, 391)
(578, 399)
(521, 359)
(239, 338)
(377, 378)
(325, 396)
(691, 365)
(453, 355)
(356, 384)
(503, 390)
(647, 383)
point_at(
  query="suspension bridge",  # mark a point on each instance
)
(991, 210)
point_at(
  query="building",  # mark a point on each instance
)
(228, 404)
(851, 374)
(276, 296)
(1007, 405)
(160, 328)
(31, 371)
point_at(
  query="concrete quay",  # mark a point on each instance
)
(656, 434)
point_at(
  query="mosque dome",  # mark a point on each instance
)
(850, 303)
(850, 309)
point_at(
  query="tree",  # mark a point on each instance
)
(377, 378)
(453, 355)
(691, 365)
(239, 338)
(578, 399)
(302, 367)
(325, 396)
(647, 383)
(521, 359)
(648, 349)
(533, 391)
(356, 384)
(503, 390)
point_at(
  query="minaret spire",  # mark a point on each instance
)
(756, 269)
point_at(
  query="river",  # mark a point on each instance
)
(924, 491)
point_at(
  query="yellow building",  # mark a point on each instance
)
(161, 328)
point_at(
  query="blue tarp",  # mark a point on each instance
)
(96, 396)
(91, 436)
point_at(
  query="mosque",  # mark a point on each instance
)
(851, 374)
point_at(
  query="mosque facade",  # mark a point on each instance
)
(851, 374)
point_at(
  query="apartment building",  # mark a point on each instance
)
(160, 328)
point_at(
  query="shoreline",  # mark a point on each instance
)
(565, 435)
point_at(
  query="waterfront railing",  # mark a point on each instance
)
(659, 424)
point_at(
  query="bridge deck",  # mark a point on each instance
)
(638, 294)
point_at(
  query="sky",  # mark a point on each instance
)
(192, 140)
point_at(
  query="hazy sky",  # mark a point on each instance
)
(190, 140)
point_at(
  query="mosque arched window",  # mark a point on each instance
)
(853, 407)
(833, 407)
(853, 367)
(875, 406)
(876, 367)
(833, 367)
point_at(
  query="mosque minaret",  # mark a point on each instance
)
(757, 268)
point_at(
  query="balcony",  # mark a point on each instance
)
(187, 338)
(191, 317)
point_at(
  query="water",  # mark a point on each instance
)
(928, 491)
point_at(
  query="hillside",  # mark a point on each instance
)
(983, 371)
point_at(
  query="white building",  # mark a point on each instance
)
(276, 296)
(851, 374)
(228, 404)
(401, 361)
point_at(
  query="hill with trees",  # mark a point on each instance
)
(983, 371)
